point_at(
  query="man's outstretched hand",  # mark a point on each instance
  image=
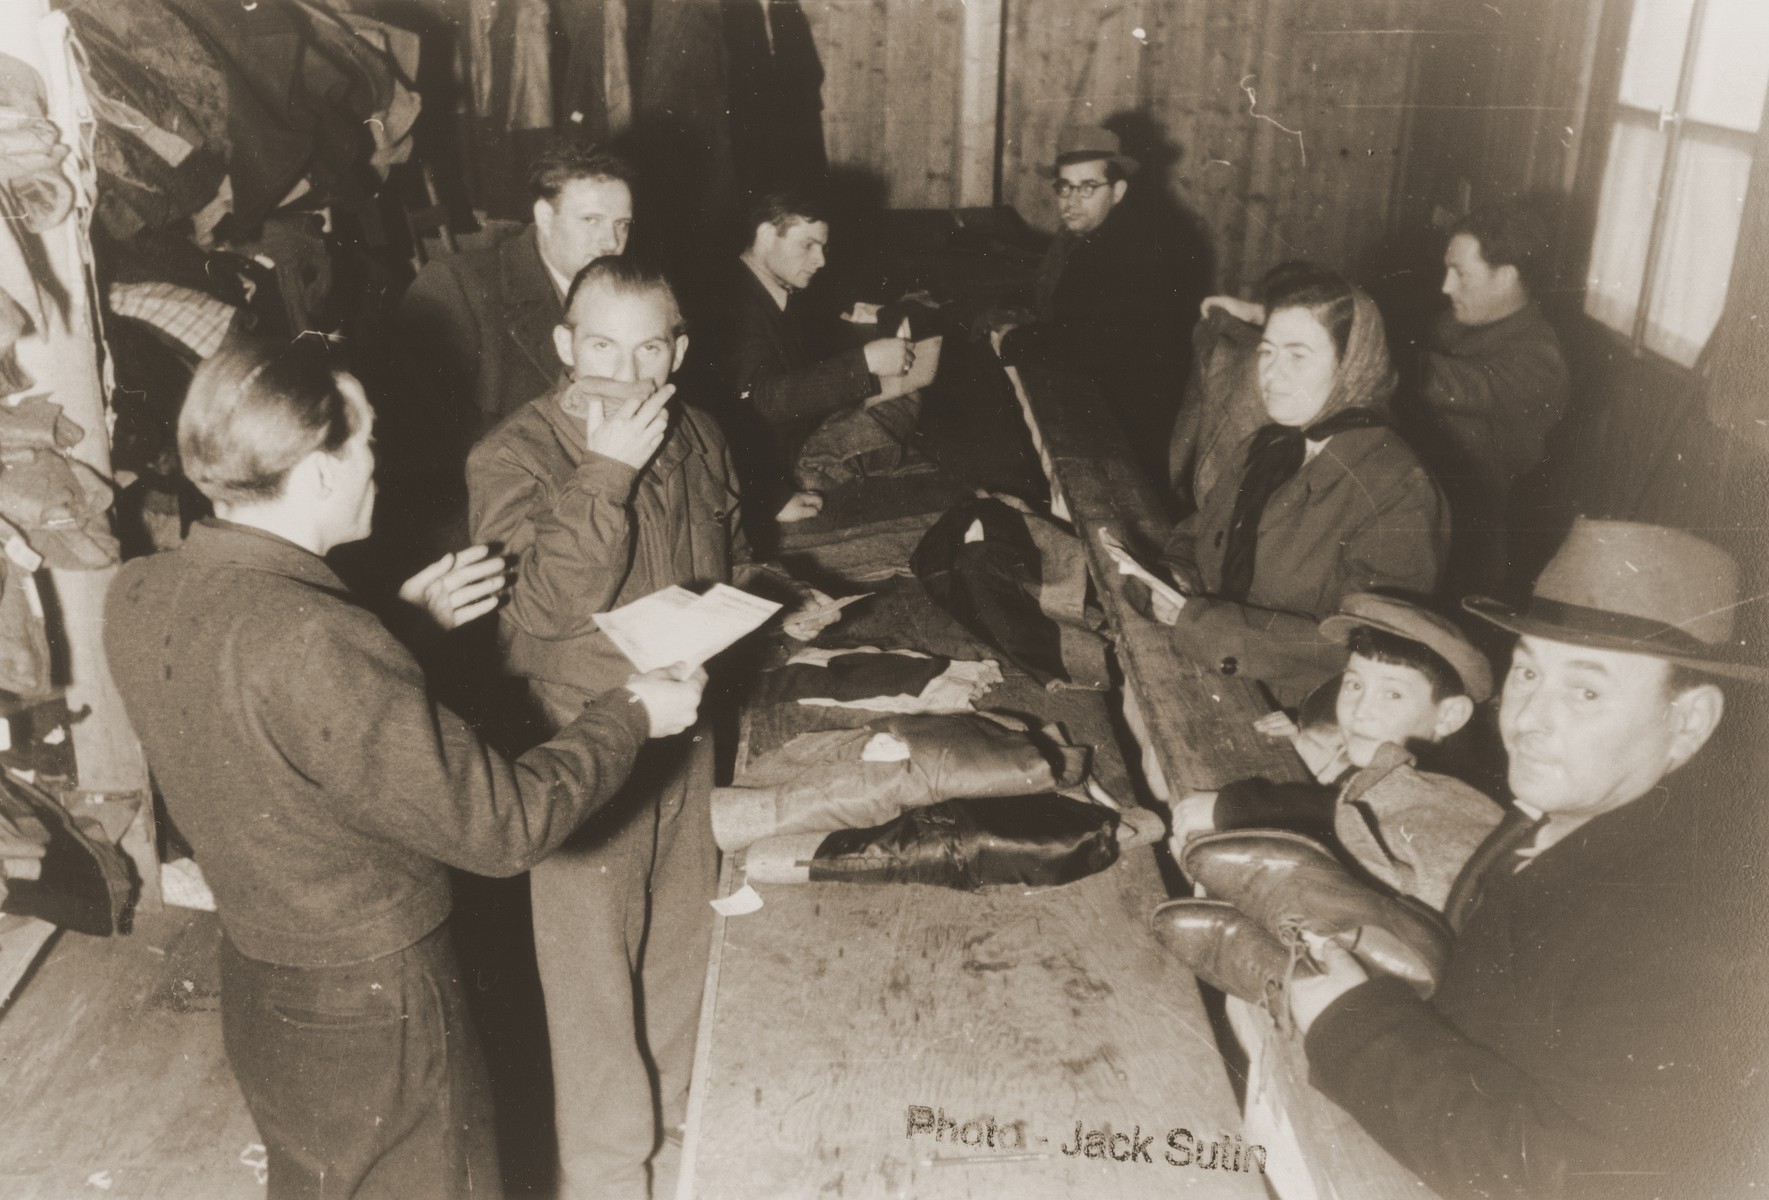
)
(671, 696)
(458, 587)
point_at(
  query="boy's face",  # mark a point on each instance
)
(1386, 702)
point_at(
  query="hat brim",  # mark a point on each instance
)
(1508, 618)
(1337, 629)
(1124, 162)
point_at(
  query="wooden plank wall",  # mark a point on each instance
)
(1217, 85)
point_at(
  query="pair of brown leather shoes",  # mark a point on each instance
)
(1284, 884)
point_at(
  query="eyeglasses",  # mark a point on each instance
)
(1064, 189)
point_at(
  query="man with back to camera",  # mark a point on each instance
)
(604, 492)
(325, 791)
(1589, 1037)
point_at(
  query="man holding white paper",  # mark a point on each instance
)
(803, 422)
(604, 493)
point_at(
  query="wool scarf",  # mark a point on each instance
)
(1273, 458)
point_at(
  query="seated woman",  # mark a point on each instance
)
(1327, 500)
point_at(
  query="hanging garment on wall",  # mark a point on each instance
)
(849, 778)
(59, 504)
(143, 53)
(33, 191)
(1018, 580)
(775, 96)
(24, 645)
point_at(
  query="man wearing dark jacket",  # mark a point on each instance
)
(1492, 384)
(1110, 299)
(326, 793)
(1592, 1035)
(480, 323)
(778, 389)
(604, 493)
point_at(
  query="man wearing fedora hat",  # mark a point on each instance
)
(1587, 1037)
(1109, 297)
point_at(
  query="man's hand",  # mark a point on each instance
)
(631, 433)
(1193, 816)
(671, 696)
(889, 356)
(810, 615)
(1279, 726)
(1310, 995)
(458, 587)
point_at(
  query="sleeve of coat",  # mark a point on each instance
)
(359, 721)
(572, 547)
(778, 396)
(1473, 1123)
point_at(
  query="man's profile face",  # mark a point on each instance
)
(588, 219)
(793, 257)
(1091, 195)
(613, 333)
(1587, 730)
(1479, 292)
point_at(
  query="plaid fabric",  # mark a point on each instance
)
(191, 318)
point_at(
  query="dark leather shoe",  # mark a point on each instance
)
(1226, 949)
(1288, 882)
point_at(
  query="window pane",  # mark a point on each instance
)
(1731, 64)
(1624, 223)
(1708, 182)
(1656, 34)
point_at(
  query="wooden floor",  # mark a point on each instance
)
(115, 1083)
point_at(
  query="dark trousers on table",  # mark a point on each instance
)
(858, 441)
(622, 931)
(366, 1081)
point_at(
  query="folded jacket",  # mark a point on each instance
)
(827, 780)
(857, 675)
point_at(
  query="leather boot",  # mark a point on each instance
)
(1226, 949)
(1289, 883)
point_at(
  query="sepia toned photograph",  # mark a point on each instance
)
(884, 599)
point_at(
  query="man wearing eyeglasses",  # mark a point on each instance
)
(1109, 294)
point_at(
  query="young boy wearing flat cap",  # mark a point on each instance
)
(1413, 678)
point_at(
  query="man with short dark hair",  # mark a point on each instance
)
(480, 323)
(1592, 1034)
(1110, 297)
(780, 388)
(1492, 383)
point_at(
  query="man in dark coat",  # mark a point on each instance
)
(479, 324)
(1492, 386)
(1590, 1036)
(1111, 301)
(776, 387)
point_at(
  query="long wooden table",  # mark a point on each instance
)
(885, 1041)
(1199, 725)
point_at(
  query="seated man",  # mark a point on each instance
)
(1589, 1036)
(1111, 298)
(604, 493)
(1413, 679)
(480, 323)
(798, 422)
(1492, 385)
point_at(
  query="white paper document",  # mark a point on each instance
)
(676, 626)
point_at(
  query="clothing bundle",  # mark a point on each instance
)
(57, 866)
(855, 778)
(866, 677)
(1018, 580)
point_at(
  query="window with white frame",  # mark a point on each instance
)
(1688, 109)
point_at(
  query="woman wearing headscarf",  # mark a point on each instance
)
(1327, 499)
